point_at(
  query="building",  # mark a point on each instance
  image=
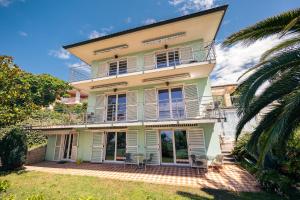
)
(148, 93)
(75, 97)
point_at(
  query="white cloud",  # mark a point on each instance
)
(22, 33)
(5, 3)
(149, 21)
(61, 54)
(233, 61)
(80, 67)
(104, 31)
(187, 6)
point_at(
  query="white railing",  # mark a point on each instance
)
(184, 55)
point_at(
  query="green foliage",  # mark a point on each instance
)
(4, 185)
(240, 150)
(13, 149)
(272, 181)
(280, 67)
(35, 139)
(76, 109)
(21, 93)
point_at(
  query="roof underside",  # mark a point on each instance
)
(201, 25)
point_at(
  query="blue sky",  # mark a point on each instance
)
(33, 31)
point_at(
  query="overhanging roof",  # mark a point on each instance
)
(201, 25)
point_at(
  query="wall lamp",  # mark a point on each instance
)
(113, 48)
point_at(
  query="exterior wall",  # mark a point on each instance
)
(85, 140)
(140, 56)
(203, 85)
(36, 155)
(50, 147)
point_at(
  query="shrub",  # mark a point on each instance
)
(272, 181)
(4, 185)
(240, 151)
(13, 149)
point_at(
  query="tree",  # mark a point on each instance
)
(13, 149)
(280, 67)
(21, 93)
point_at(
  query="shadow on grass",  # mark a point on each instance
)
(228, 195)
(19, 171)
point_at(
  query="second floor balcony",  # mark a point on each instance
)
(180, 57)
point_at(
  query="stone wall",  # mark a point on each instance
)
(36, 155)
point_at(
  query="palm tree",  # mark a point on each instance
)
(280, 67)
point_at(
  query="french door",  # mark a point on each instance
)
(115, 146)
(116, 107)
(67, 148)
(170, 103)
(174, 147)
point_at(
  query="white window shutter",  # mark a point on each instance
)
(150, 109)
(191, 101)
(132, 142)
(149, 61)
(196, 142)
(100, 108)
(132, 107)
(152, 145)
(102, 70)
(131, 64)
(57, 150)
(74, 147)
(186, 55)
(97, 147)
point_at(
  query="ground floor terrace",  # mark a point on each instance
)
(229, 177)
(167, 145)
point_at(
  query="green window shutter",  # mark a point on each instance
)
(152, 145)
(132, 142)
(196, 142)
(74, 147)
(149, 61)
(131, 64)
(97, 147)
(191, 101)
(102, 70)
(150, 109)
(100, 108)
(57, 150)
(132, 108)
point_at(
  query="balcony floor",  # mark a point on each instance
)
(230, 177)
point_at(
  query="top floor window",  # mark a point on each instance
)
(167, 59)
(117, 67)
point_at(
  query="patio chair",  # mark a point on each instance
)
(128, 160)
(199, 162)
(148, 160)
(217, 162)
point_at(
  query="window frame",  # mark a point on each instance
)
(166, 52)
(118, 66)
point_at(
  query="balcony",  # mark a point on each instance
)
(188, 56)
(179, 111)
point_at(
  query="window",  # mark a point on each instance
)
(116, 107)
(170, 103)
(118, 67)
(166, 59)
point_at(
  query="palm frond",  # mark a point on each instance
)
(267, 71)
(287, 83)
(265, 28)
(284, 45)
(289, 26)
(283, 127)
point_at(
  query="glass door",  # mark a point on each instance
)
(116, 107)
(110, 146)
(115, 146)
(68, 140)
(181, 147)
(174, 148)
(177, 103)
(167, 153)
(164, 104)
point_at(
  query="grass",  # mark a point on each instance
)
(54, 186)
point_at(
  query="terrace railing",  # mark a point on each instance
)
(173, 58)
(176, 110)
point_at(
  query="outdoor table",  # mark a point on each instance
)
(139, 158)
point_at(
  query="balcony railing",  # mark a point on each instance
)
(174, 57)
(176, 110)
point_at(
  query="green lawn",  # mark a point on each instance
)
(54, 186)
